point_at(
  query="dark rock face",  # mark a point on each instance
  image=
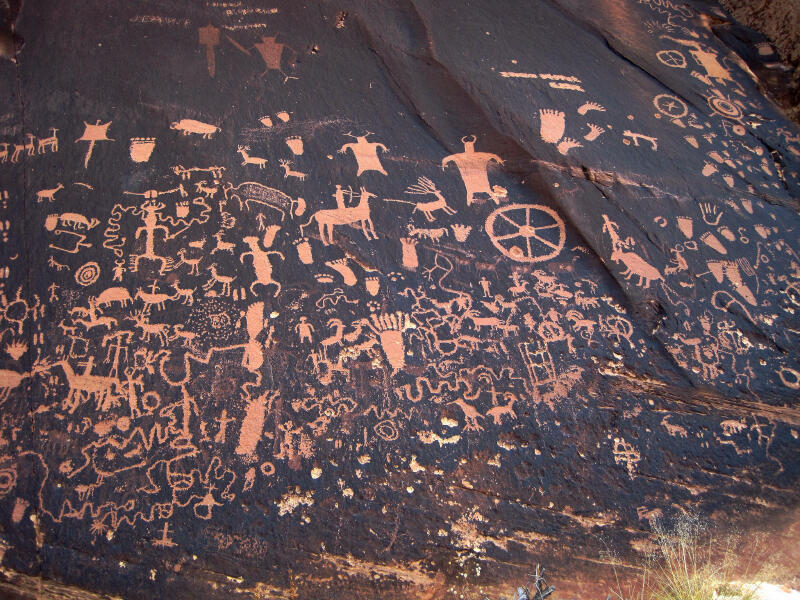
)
(779, 22)
(388, 299)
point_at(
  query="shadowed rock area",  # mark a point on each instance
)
(779, 22)
(388, 299)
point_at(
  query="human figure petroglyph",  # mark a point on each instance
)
(52, 290)
(327, 219)
(150, 225)
(304, 330)
(486, 287)
(118, 271)
(271, 52)
(117, 346)
(365, 153)
(261, 264)
(472, 166)
(226, 219)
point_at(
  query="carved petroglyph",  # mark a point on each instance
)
(189, 342)
(472, 166)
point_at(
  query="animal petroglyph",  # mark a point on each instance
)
(190, 126)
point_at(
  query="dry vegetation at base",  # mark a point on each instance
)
(691, 562)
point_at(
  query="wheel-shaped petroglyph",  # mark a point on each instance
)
(671, 106)
(526, 232)
(724, 107)
(672, 58)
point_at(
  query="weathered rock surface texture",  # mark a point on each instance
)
(779, 21)
(388, 299)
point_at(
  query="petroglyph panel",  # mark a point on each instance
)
(387, 300)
